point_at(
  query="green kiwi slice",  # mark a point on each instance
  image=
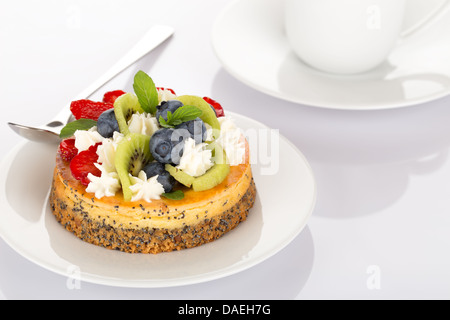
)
(132, 154)
(213, 177)
(124, 107)
(217, 174)
(179, 175)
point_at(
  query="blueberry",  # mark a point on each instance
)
(154, 169)
(158, 169)
(107, 124)
(167, 182)
(196, 129)
(161, 145)
(167, 144)
(166, 106)
(179, 136)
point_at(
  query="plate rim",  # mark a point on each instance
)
(164, 283)
(306, 102)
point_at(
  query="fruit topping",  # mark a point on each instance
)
(165, 107)
(131, 157)
(111, 96)
(84, 163)
(208, 115)
(124, 107)
(216, 106)
(164, 177)
(107, 124)
(67, 149)
(196, 129)
(151, 139)
(180, 175)
(161, 145)
(213, 177)
(87, 109)
(216, 175)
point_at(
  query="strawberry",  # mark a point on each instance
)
(87, 109)
(111, 96)
(217, 107)
(83, 164)
(67, 149)
(162, 89)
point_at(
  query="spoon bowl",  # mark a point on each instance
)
(37, 134)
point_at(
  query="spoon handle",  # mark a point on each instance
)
(152, 39)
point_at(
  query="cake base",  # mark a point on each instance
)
(150, 240)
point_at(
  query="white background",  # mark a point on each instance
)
(383, 206)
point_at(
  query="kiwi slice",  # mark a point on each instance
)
(179, 175)
(213, 177)
(132, 154)
(124, 107)
(208, 115)
(217, 174)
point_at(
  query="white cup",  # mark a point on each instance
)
(348, 36)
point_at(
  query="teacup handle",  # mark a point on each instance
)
(428, 20)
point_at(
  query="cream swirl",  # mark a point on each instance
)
(104, 186)
(145, 189)
(196, 159)
(143, 123)
(107, 152)
(231, 141)
(87, 138)
(165, 95)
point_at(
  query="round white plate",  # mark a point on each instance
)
(249, 40)
(285, 200)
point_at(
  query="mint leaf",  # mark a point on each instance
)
(187, 113)
(176, 195)
(145, 90)
(182, 114)
(71, 127)
(163, 123)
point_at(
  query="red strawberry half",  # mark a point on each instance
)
(111, 96)
(87, 109)
(67, 149)
(217, 107)
(83, 164)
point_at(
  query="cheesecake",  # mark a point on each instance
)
(160, 226)
(105, 189)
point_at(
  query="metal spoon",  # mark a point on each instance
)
(49, 133)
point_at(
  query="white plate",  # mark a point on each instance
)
(249, 40)
(283, 205)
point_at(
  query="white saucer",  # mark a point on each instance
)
(29, 227)
(249, 40)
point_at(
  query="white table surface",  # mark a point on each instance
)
(381, 226)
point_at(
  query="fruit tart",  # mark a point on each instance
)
(149, 171)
